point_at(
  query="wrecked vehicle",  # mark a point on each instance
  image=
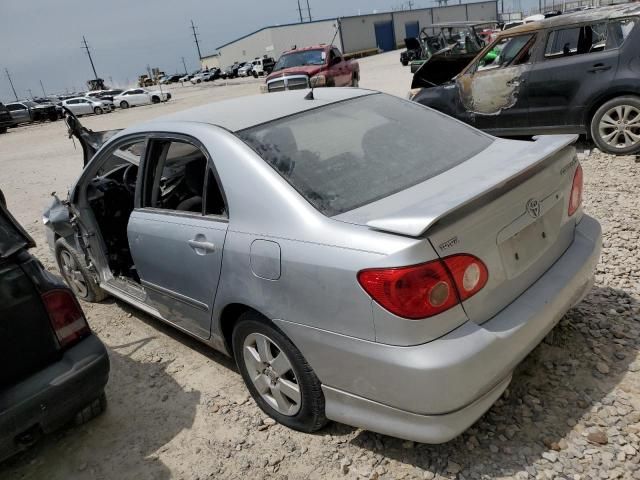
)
(447, 50)
(317, 66)
(413, 50)
(54, 369)
(358, 267)
(6, 120)
(574, 73)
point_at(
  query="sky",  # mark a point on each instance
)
(41, 39)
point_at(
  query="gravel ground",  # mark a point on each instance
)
(179, 410)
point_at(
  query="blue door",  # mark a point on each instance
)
(384, 36)
(411, 29)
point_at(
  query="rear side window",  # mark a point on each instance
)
(178, 178)
(619, 30)
(576, 40)
(345, 155)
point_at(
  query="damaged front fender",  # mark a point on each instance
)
(491, 92)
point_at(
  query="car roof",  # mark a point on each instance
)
(461, 24)
(231, 114)
(593, 15)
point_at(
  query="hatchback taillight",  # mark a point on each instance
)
(424, 290)
(66, 317)
(575, 199)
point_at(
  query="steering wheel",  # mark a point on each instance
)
(129, 178)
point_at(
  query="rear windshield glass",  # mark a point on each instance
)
(351, 153)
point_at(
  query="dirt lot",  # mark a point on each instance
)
(179, 410)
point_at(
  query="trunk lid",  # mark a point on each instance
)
(507, 206)
(13, 237)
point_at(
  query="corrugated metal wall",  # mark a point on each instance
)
(356, 33)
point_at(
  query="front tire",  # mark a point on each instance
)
(615, 127)
(76, 274)
(155, 99)
(278, 377)
(98, 111)
(124, 104)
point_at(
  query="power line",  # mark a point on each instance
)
(11, 82)
(86, 47)
(195, 36)
(308, 10)
(300, 12)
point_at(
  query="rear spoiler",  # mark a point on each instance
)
(89, 140)
(485, 174)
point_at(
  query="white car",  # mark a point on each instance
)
(245, 70)
(140, 96)
(86, 106)
(203, 77)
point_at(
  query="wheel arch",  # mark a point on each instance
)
(601, 100)
(228, 319)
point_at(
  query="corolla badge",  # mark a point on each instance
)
(534, 208)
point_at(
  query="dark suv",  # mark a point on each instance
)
(54, 369)
(5, 118)
(574, 73)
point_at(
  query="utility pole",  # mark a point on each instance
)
(410, 4)
(185, 66)
(195, 36)
(300, 11)
(42, 86)
(11, 82)
(86, 47)
(30, 93)
(308, 10)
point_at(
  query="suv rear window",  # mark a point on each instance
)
(355, 152)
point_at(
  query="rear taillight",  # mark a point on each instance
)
(425, 290)
(67, 319)
(469, 274)
(575, 199)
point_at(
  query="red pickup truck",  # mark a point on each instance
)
(317, 66)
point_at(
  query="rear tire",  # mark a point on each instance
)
(157, 99)
(76, 274)
(124, 104)
(278, 377)
(615, 127)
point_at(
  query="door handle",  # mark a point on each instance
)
(599, 67)
(208, 247)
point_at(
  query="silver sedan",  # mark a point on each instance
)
(87, 106)
(363, 258)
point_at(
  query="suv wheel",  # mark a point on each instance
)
(278, 377)
(76, 273)
(615, 127)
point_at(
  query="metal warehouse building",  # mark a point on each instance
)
(357, 34)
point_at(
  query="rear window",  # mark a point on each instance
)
(352, 153)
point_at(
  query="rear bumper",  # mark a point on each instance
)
(51, 397)
(433, 392)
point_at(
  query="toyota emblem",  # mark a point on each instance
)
(534, 208)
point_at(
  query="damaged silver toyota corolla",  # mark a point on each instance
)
(359, 267)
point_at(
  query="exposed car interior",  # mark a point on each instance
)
(177, 179)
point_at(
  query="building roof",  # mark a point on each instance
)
(232, 113)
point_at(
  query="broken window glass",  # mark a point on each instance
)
(507, 51)
(619, 30)
(576, 40)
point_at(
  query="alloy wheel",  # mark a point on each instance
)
(73, 275)
(619, 127)
(272, 374)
